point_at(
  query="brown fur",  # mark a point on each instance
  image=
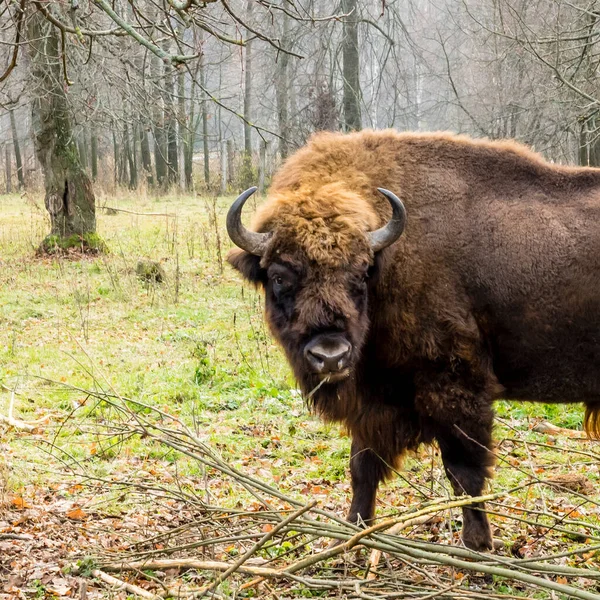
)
(591, 421)
(495, 285)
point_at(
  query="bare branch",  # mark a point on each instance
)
(19, 24)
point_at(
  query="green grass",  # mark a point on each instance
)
(195, 346)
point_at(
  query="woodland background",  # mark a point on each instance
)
(153, 442)
(212, 97)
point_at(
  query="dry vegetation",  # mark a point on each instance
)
(168, 451)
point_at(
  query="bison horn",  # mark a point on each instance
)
(250, 241)
(392, 230)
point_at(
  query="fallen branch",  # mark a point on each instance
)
(215, 528)
(118, 584)
(191, 563)
(139, 214)
(549, 428)
(257, 546)
(375, 555)
(10, 419)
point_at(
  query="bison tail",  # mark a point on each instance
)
(591, 420)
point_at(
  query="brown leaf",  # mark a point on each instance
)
(77, 514)
(19, 503)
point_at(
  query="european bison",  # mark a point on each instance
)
(413, 324)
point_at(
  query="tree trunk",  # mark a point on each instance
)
(94, 152)
(69, 196)
(17, 148)
(145, 152)
(81, 141)
(115, 155)
(134, 152)
(122, 171)
(230, 161)
(158, 123)
(129, 151)
(589, 144)
(262, 168)
(188, 149)
(247, 171)
(351, 66)
(183, 125)
(160, 154)
(282, 88)
(171, 125)
(205, 146)
(8, 168)
(223, 168)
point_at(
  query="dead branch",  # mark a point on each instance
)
(118, 584)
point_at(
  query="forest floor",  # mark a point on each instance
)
(110, 373)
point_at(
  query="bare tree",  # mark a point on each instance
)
(352, 119)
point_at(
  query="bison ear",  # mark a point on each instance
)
(248, 265)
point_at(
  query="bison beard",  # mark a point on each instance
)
(407, 338)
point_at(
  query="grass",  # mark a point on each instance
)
(194, 345)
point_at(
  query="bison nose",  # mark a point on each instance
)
(328, 356)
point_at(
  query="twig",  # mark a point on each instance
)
(19, 24)
(258, 545)
(16, 423)
(141, 214)
(375, 556)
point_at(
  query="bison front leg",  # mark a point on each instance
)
(367, 470)
(466, 444)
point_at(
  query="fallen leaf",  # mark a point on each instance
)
(77, 514)
(19, 503)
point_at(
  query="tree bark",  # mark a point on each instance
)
(115, 155)
(158, 123)
(94, 152)
(247, 171)
(145, 152)
(282, 88)
(17, 149)
(121, 152)
(205, 147)
(183, 125)
(171, 125)
(262, 167)
(8, 168)
(69, 196)
(352, 96)
(230, 161)
(81, 147)
(129, 151)
(223, 167)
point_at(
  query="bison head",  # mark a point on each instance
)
(313, 256)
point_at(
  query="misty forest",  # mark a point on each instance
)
(154, 441)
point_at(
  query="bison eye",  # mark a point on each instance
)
(279, 284)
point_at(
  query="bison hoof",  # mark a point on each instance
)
(479, 539)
